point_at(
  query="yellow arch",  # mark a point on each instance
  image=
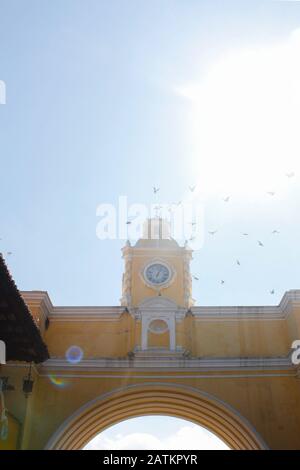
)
(156, 399)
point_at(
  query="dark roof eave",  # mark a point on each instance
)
(17, 314)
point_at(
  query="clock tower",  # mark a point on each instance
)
(157, 285)
(157, 266)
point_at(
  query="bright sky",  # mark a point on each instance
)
(154, 433)
(110, 98)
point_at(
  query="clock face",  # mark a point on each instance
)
(157, 274)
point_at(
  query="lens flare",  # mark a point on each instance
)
(74, 354)
(57, 381)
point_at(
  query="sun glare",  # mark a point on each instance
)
(245, 120)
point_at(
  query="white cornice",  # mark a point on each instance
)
(289, 302)
(174, 363)
(237, 313)
(39, 299)
(291, 297)
(171, 251)
(179, 375)
(86, 313)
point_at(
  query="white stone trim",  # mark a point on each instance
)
(62, 428)
(86, 313)
(169, 362)
(158, 331)
(179, 376)
(289, 302)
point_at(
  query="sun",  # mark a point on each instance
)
(245, 120)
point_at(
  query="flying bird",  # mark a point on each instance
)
(193, 223)
(271, 193)
(260, 243)
(245, 234)
(128, 222)
(196, 278)
(222, 282)
(275, 232)
(226, 199)
(155, 190)
(238, 262)
(9, 253)
(272, 292)
(192, 188)
(212, 232)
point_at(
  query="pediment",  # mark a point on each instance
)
(157, 303)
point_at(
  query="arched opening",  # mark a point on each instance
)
(156, 433)
(156, 399)
(158, 312)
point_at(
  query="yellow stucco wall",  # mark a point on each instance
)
(13, 438)
(97, 339)
(271, 402)
(202, 338)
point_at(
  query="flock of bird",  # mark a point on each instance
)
(210, 232)
(213, 232)
(238, 263)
